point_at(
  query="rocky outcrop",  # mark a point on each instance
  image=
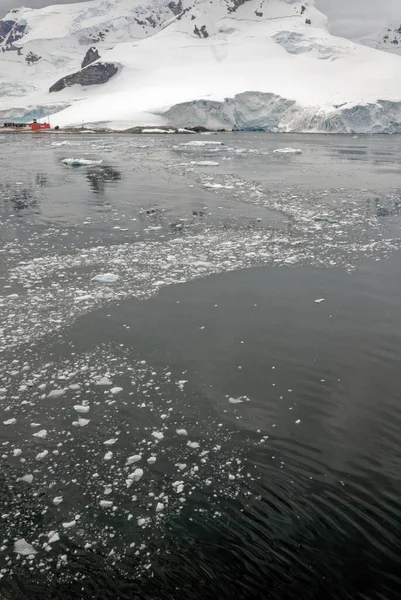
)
(90, 57)
(96, 74)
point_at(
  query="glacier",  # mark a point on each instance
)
(268, 65)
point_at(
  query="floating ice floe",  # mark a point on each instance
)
(287, 151)
(22, 547)
(81, 422)
(235, 400)
(103, 381)
(201, 143)
(116, 390)
(56, 393)
(79, 408)
(40, 434)
(26, 478)
(10, 422)
(193, 444)
(57, 500)
(133, 459)
(110, 442)
(105, 278)
(158, 435)
(182, 431)
(106, 503)
(136, 475)
(80, 162)
(319, 300)
(205, 163)
(42, 455)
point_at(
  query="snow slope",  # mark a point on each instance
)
(233, 64)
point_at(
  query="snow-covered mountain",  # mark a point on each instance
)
(233, 64)
(387, 39)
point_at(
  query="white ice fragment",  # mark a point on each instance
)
(79, 408)
(297, 422)
(106, 503)
(40, 434)
(181, 466)
(74, 386)
(205, 163)
(182, 431)
(110, 442)
(56, 393)
(159, 506)
(26, 478)
(57, 500)
(116, 390)
(22, 547)
(287, 151)
(136, 475)
(69, 524)
(54, 538)
(319, 300)
(133, 459)
(152, 460)
(80, 162)
(17, 452)
(42, 455)
(141, 521)
(235, 400)
(193, 444)
(81, 422)
(158, 435)
(10, 422)
(103, 381)
(105, 278)
(108, 456)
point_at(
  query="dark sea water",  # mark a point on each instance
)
(220, 416)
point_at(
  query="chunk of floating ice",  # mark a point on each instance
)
(108, 456)
(10, 422)
(297, 422)
(287, 151)
(106, 503)
(110, 442)
(235, 400)
(158, 435)
(80, 162)
(202, 143)
(54, 538)
(159, 506)
(56, 393)
(133, 459)
(69, 524)
(81, 422)
(319, 300)
(182, 431)
(57, 500)
(80, 408)
(152, 460)
(22, 547)
(181, 466)
(17, 452)
(205, 163)
(40, 434)
(42, 455)
(136, 475)
(105, 278)
(141, 521)
(103, 381)
(26, 478)
(193, 444)
(116, 390)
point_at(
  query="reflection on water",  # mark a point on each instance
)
(98, 177)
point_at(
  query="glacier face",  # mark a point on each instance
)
(269, 65)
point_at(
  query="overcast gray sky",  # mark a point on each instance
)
(350, 18)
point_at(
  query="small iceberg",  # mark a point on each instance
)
(105, 278)
(80, 162)
(287, 151)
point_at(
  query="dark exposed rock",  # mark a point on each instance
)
(31, 58)
(202, 32)
(16, 33)
(90, 57)
(95, 74)
(5, 28)
(235, 4)
(176, 7)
